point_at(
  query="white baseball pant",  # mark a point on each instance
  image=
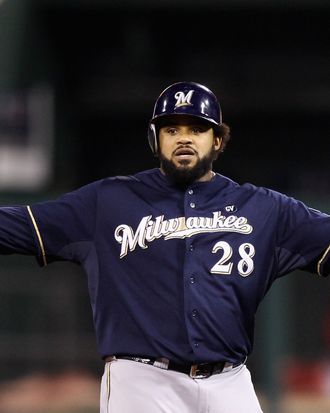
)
(131, 387)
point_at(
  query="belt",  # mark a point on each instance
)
(195, 371)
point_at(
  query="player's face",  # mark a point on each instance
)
(187, 148)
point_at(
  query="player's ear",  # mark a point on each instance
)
(217, 143)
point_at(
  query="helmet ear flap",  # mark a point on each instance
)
(152, 138)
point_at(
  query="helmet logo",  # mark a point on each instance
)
(183, 99)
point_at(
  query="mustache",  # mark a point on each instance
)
(184, 150)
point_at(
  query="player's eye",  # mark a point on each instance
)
(197, 129)
(171, 130)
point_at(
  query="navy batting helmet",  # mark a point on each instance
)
(184, 98)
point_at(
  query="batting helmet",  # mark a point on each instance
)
(184, 98)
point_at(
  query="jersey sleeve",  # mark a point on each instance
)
(303, 238)
(64, 229)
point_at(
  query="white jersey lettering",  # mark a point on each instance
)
(150, 229)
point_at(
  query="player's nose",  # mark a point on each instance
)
(184, 138)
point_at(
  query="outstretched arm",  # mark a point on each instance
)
(54, 230)
(323, 265)
(16, 234)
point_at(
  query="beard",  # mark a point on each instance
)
(184, 175)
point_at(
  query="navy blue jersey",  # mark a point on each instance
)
(173, 273)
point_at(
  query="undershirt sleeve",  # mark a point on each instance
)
(15, 231)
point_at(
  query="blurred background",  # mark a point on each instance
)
(78, 80)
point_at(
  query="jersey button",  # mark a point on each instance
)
(194, 313)
(191, 191)
(192, 280)
(191, 247)
(196, 345)
(192, 204)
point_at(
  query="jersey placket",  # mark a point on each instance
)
(191, 276)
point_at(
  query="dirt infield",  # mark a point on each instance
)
(69, 392)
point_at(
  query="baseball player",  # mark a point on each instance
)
(178, 259)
